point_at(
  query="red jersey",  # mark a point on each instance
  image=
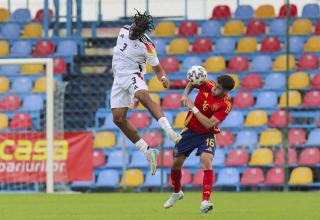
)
(209, 106)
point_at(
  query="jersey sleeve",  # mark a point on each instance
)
(223, 112)
(150, 51)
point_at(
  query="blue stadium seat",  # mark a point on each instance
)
(235, 119)
(67, 48)
(244, 12)
(211, 28)
(228, 177)
(10, 30)
(246, 138)
(225, 45)
(192, 160)
(267, 100)
(9, 69)
(218, 159)
(275, 81)
(21, 49)
(127, 142)
(21, 84)
(21, 15)
(115, 159)
(108, 178)
(191, 61)
(138, 160)
(32, 103)
(168, 143)
(108, 122)
(311, 11)
(160, 46)
(277, 27)
(296, 44)
(155, 180)
(314, 137)
(261, 63)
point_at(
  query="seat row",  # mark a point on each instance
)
(19, 121)
(22, 15)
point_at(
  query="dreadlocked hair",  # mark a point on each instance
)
(144, 21)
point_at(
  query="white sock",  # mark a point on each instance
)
(142, 146)
(165, 125)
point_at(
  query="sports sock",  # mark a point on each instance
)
(207, 184)
(176, 180)
(142, 146)
(165, 125)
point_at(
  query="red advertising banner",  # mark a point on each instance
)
(23, 157)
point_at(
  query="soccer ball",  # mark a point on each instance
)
(197, 75)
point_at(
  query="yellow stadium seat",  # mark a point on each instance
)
(32, 68)
(256, 118)
(4, 48)
(165, 29)
(301, 175)
(154, 97)
(313, 44)
(40, 85)
(261, 157)
(179, 120)
(155, 85)
(265, 11)
(104, 139)
(270, 137)
(149, 68)
(4, 121)
(32, 30)
(301, 26)
(4, 14)
(295, 99)
(179, 46)
(132, 178)
(4, 84)
(233, 28)
(215, 64)
(236, 79)
(298, 80)
(247, 45)
(280, 64)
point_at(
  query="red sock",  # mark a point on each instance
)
(207, 184)
(176, 180)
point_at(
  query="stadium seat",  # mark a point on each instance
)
(279, 119)
(315, 82)
(301, 26)
(238, 64)
(153, 138)
(33, 103)
(104, 139)
(21, 85)
(21, 121)
(161, 46)
(67, 48)
(311, 10)
(292, 12)
(237, 157)
(233, 28)
(225, 45)
(211, 28)
(299, 80)
(256, 118)
(261, 63)
(198, 178)
(167, 158)
(252, 176)
(188, 28)
(312, 44)
(314, 137)
(140, 119)
(40, 85)
(301, 176)
(228, 177)
(261, 157)
(170, 64)
(279, 158)
(265, 11)
(32, 69)
(10, 103)
(155, 85)
(251, 81)
(179, 120)
(270, 137)
(155, 97)
(297, 136)
(218, 158)
(4, 84)
(21, 15)
(309, 157)
(246, 138)
(308, 62)
(192, 161)
(179, 46)
(132, 178)
(108, 178)
(243, 100)
(40, 15)
(165, 29)
(4, 14)
(83, 185)
(296, 44)
(294, 99)
(225, 139)
(317, 28)
(4, 121)
(191, 61)
(178, 84)
(312, 98)
(115, 159)
(98, 158)
(21, 49)
(247, 45)
(155, 180)
(138, 160)
(256, 27)
(10, 30)
(10, 69)
(215, 64)
(270, 44)
(235, 79)
(280, 63)
(275, 176)
(32, 30)
(4, 48)
(277, 27)
(202, 45)
(172, 101)
(267, 99)
(221, 12)
(234, 120)
(59, 66)
(244, 12)
(275, 81)
(44, 48)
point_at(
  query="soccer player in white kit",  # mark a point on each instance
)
(130, 54)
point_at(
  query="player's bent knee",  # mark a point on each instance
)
(143, 96)
(206, 162)
(119, 120)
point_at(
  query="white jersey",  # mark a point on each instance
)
(130, 56)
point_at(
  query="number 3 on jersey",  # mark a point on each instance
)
(124, 47)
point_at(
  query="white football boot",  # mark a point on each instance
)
(206, 206)
(152, 158)
(173, 199)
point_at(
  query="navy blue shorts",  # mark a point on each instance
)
(192, 140)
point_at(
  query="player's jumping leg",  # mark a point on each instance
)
(206, 160)
(176, 181)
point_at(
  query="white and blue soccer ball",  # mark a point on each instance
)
(197, 75)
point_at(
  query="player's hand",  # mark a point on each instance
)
(165, 82)
(189, 103)
(135, 102)
(183, 100)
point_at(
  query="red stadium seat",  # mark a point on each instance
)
(270, 44)
(275, 176)
(44, 48)
(297, 136)
(198, 178)
(315, 82)
(188, 28)
(252, 81)
(279, 159)
(140, 119)
(202, 45)
(256, 27)
(167, 158)
(59, 66)
(237, 157)
(10, 103)
(252, 176)
(308, 62)
(21, 121)
(40, 15)
(178, 84)
(171, 101)
(312, 98)
(225, 139)
(243, 100)
(99, 159)
(185, 178)
(153, 138)
(317, 28)
(293, 11)
(309, 156)
(221, 12)
(279, 119)
(170, 64)
(238, 64)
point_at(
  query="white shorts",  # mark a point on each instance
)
(124, 88)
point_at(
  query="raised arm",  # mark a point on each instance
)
(161, 75)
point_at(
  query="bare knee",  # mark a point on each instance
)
(206, 161)
(143, 96)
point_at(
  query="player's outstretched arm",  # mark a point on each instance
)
(186, 92)
(161, 75)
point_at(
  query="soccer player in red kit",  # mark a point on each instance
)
(211, 106)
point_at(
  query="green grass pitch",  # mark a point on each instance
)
(148, 206)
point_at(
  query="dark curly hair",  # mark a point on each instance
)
(143, 21)
(226, 82)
